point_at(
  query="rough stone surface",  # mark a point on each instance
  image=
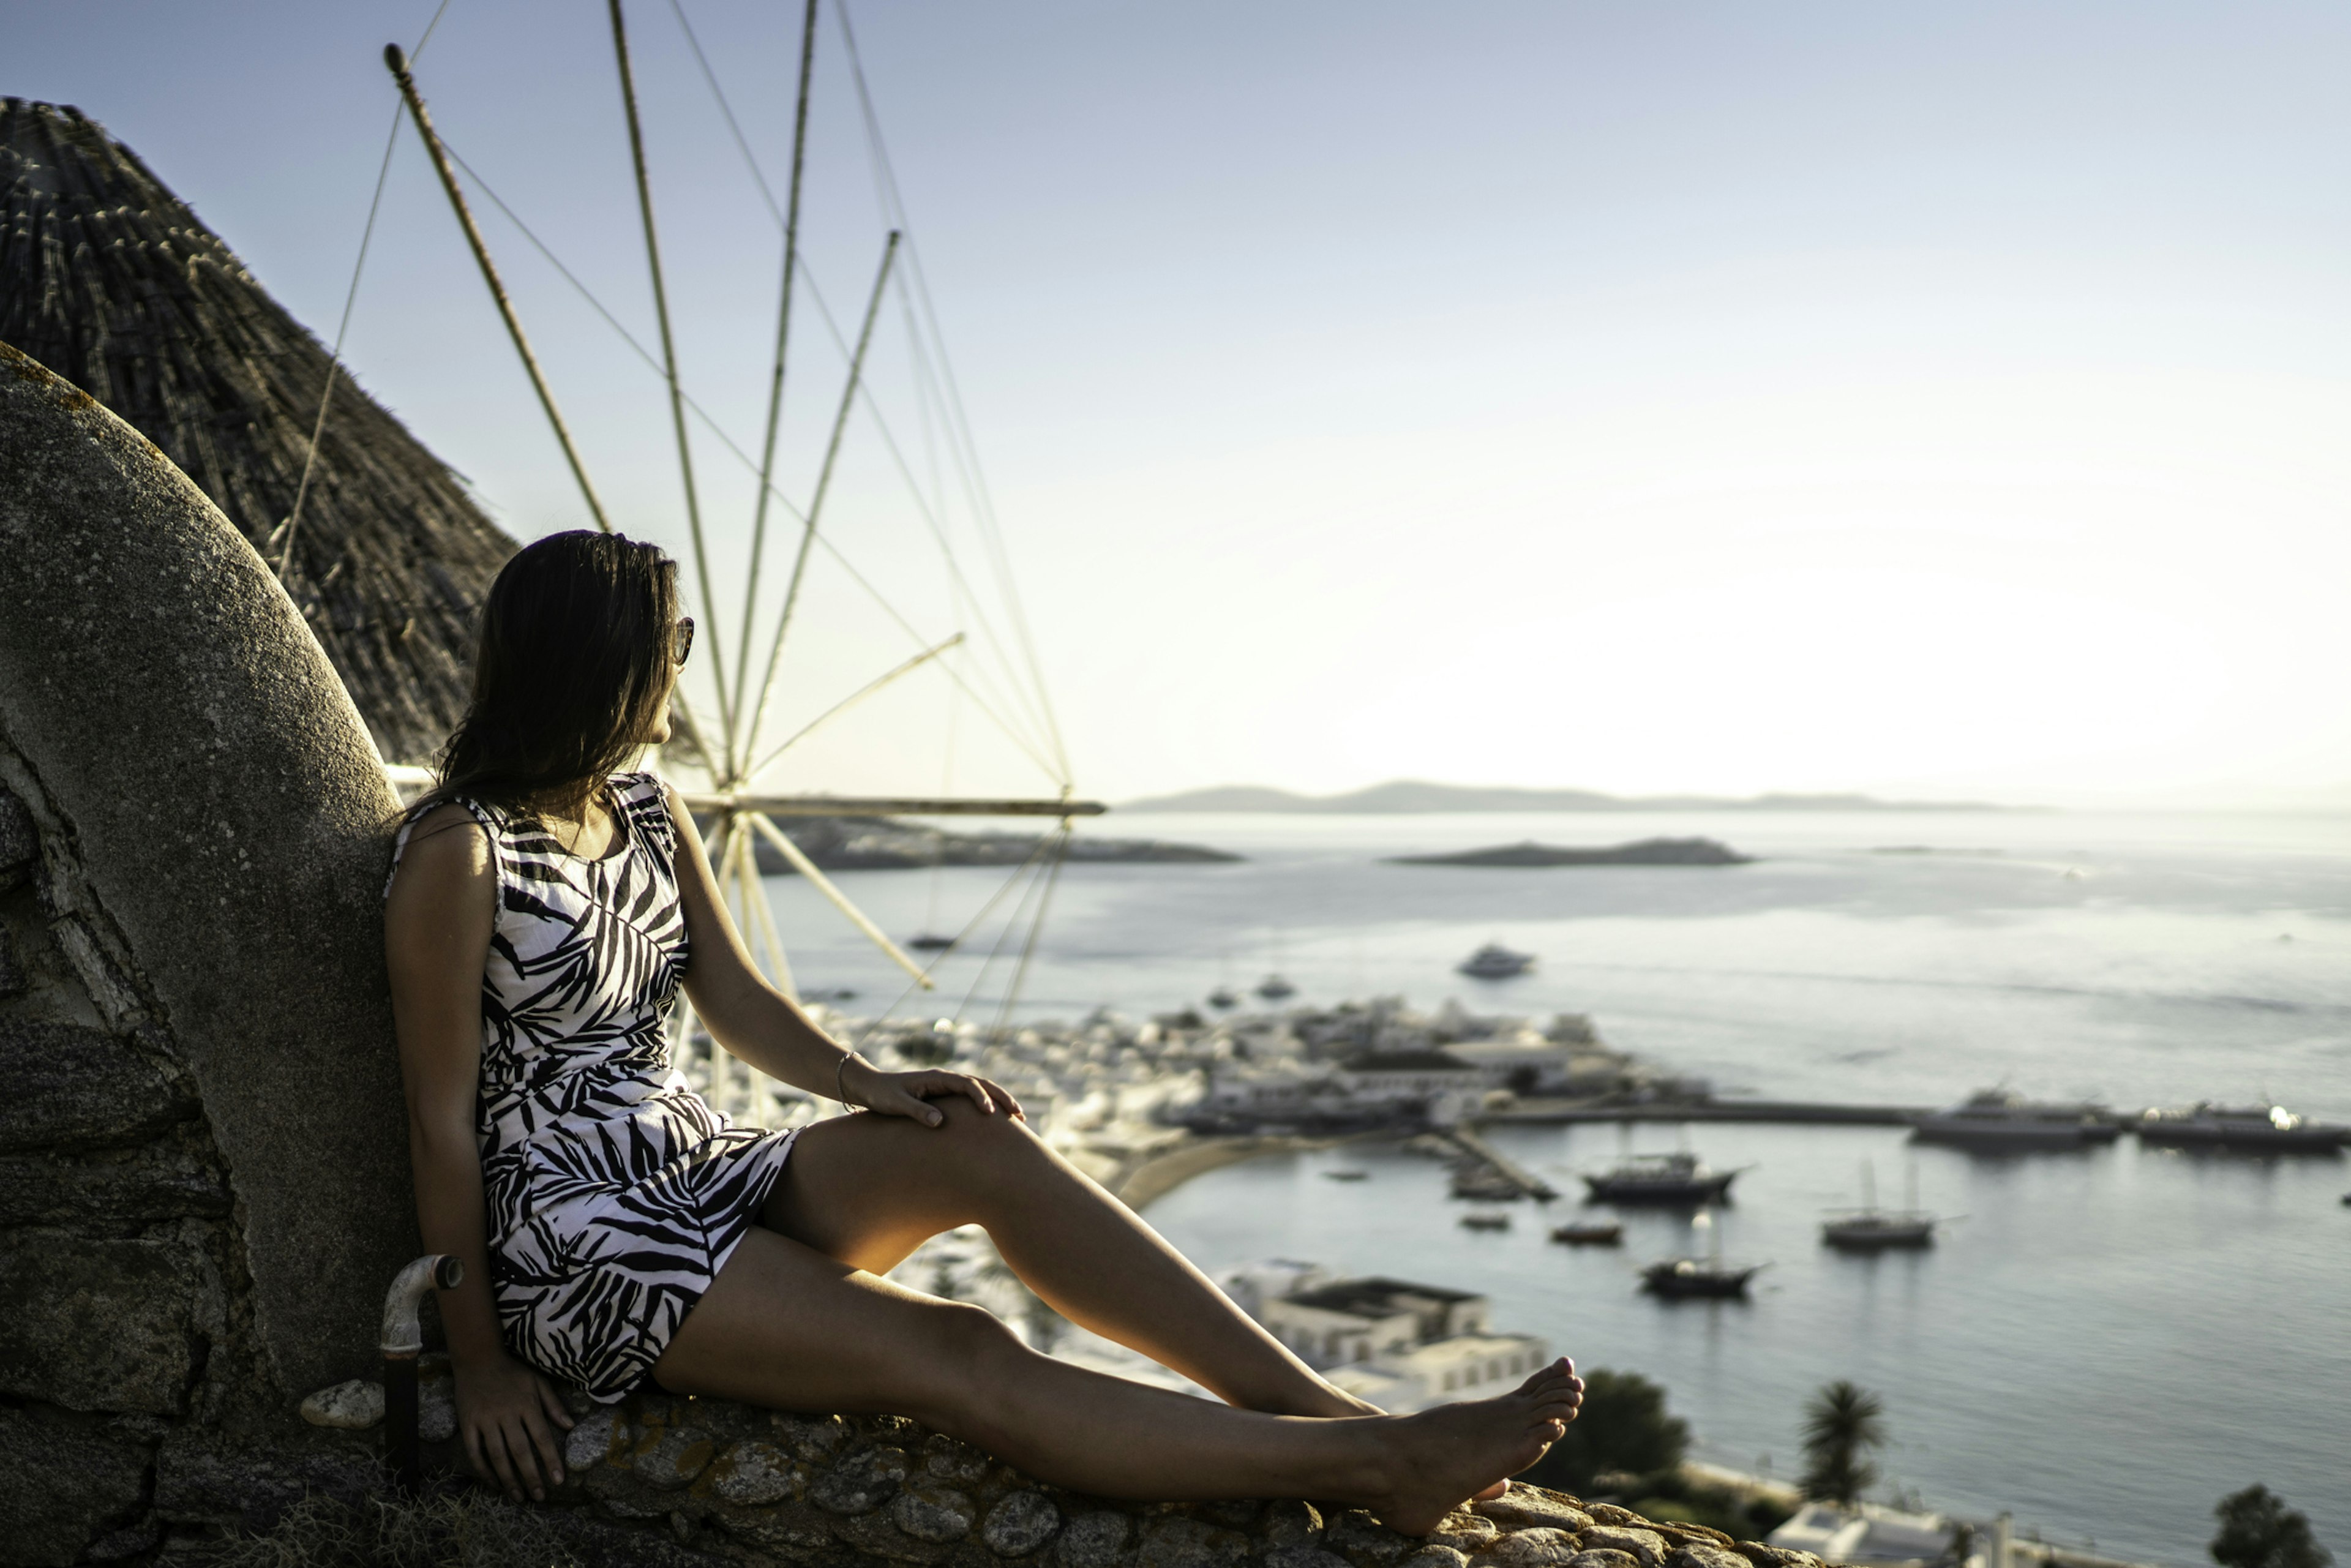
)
(1764, 1555)
(1540, 1547)
(20, 842)
(1179, 1543)
(74, 1087)
(230, 816)
(1603, 1557)
(1465, 1532)
(670, 1459)
(64, 1484)
(751, 1474)
(862, 1484)
(209, 1477)
(1526, 1505)
(1645, 1547)
(1365, 1542)
(1290, 1522)
(354, 1405)
(929, 1510)
(101, 1325)
(1703, 1554)
(1435, 1557)
(1315, 1557)
(121, 1189)
(1098, 1539)
(1020, 1523)
(1610, 1513)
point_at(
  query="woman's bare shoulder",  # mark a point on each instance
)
(446, 848)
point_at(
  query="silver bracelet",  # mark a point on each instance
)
(841, 1090)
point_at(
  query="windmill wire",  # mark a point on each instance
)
(1036, 930)
(1036, 708)
(970, 925)
(1011, 731)
(985, 508)
(293, 523)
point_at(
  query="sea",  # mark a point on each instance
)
(2102, 1344)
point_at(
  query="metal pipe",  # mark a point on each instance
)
(397, 64)
(728, 720)
(402, 1342)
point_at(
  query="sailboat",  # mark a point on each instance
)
(727, 732)
(1870, 1228)
(1678, 1279)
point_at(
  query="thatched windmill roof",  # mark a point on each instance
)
(110, 279)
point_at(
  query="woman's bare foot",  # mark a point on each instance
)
(1456, 1451)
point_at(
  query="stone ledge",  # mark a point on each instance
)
(733, 1483)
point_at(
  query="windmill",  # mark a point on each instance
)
(730, 742)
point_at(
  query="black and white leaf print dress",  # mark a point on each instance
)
(615, 1194)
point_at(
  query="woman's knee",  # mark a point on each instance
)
(978, 1353)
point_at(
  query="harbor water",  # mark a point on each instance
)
(2105, 1344)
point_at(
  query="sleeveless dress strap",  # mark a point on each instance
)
(492, 822)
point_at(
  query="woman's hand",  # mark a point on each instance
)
(911, 1094)
(508, 1412)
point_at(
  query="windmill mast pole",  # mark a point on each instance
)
(783, 334)
(397, 63)
(823, 482)
(727, 719)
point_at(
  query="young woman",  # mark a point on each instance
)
(544, 908)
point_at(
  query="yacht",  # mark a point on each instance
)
(1870, 1228)
(930, 942)
(2001, 1119)
(1590, 1233)
(1223, 997)
(1678, 1178)
(2253, 1129)
(1274, 989)
(1495, 962)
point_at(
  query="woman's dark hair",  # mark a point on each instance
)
(571, 674)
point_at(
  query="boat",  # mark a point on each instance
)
(1223, 997)
(1495, 962)
(1594, 1233)
(1274, 989)
(1870, 1228)
(2248, 1129)
(1485, 1220)
(1346, 1173)
(1678, 1279)
(1680, 1178)
(930, 942)
(1994, 1120)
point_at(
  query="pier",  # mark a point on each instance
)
(1518, 1176)
(1807, 1111)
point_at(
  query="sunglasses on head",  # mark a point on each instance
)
(681, 639)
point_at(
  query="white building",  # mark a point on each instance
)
(1402, 1347)
(1408, 1076)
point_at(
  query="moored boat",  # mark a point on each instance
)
(1676, 1279)
(1486, 1221)
(1274, 989)
(1495, 962)
(1595, 1233)
(1675, 1179)
(1870, 1228)
(1995, 1119)
(1223, 997)
(2251, 1129)
(1347, 1172)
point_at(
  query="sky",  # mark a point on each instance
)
(1932, 400)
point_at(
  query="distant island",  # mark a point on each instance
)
(1646, 852)
(1405, 794)
(886, 843)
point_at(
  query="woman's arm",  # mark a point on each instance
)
(437, 925)
(766, 1029)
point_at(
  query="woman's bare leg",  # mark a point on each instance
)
(785, 1326)
(868, 1190)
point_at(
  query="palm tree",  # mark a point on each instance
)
(1841, 1425)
